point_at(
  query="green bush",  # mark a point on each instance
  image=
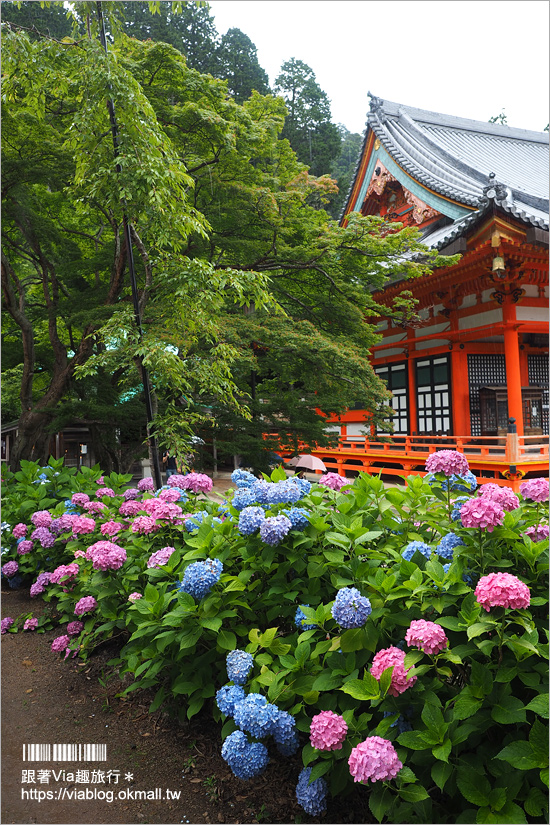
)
(469, 724)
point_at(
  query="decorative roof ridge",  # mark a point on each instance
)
(456, 171)
(422, 175)
(391, 109)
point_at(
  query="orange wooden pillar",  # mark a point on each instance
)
(460, 398)
(513, 367)
(411, 379)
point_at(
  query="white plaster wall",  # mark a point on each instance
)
(435, 342)
(532, 313)
(494, 316)
(468, 301)
(432, 330)
(531, 290)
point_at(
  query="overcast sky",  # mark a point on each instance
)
(471, 58)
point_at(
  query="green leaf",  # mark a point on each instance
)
(433, 719)
(268, 636)
(473, 786)
(326, 681)
(520, 755)
(212, 624)
(365, 689)
(509, 710)
(442, 751)
(449, 622)
(539, 705)
(441, 771)
(413, 793)
(352, 639)
(320, 769)
(478, 628)
(538, 739)
(497, 798)
(415, 740)
(510, 813)
(536, 803)
(226, 640)
(466, 705)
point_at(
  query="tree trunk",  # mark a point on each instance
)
(32, 440)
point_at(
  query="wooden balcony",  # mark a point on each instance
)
(503, 460)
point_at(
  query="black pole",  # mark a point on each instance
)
(131, 268)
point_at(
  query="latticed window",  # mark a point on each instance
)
(395, 378)
(537, 370)
(483, 371)
(433, 394)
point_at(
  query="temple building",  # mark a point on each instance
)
(470, 371)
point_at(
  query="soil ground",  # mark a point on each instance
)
(46, 700)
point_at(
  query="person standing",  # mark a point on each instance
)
(169, 464)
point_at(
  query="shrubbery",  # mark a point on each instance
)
(395, 642)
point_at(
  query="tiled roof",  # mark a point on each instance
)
(464, 160)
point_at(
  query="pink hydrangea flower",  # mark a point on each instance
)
(144, 525)
(30, 624)
(538, 532)
(83, 525)
(74, 628)
(101, 480)
(449, 462)
(110, 528)
(6, 624)
(427, 636)
(176, 480)
(63, 524)
(64, 572)
(20, 530)
(171, 495)
(146, 484)
(333, 480)
(502, 590)
(42, 518)
(105, 555)
(130, 508)
(95, 507)
(375, 759)
(196, 482)
(79, 554)
(392, 657)
(481, 512)
(133, 597)
(9, 569)
(159, 509)
(85, 605)
(327, 731)
(536, 489)
(105, 491)
(24, 547)
(60, 644)
(500, 495)
(80, 499)
(160, 557)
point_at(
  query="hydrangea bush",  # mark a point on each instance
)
(390, 642)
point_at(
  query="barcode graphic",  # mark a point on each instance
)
(64, 753)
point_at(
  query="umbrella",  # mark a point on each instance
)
(308, 462)
(292, 461)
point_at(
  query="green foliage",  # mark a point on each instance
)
(470, 729)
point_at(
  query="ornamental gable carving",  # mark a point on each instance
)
(387, 198)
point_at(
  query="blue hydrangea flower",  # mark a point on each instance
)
(256, 715)
(200, 577)
(411, 548)
(242, 478)
(283, 492)
(69, 506)
(466, 483)
(350, 608)
(239, 664)
(274, 529)
(446, 546)
(227, 697)
(303, 484)
(250, 520)
(194, 521)
(223, 509)
(312, 797)
(260, 491)
(457, 504)
(16, 581)
(243, 498)
(446, 568)
(245, 759)
(470, 578)
(300, 620)
(285, 734)
(401, 723)
(298, 517)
